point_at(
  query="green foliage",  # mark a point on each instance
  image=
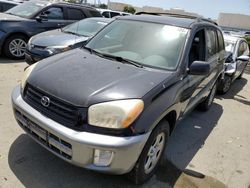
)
(104, 6)
(129, 9)
(248, 40)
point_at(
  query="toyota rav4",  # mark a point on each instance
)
(112, 105)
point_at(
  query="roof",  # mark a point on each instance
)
(74, 4)
(168, 20)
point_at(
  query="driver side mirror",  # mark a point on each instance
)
(199, 68)
(243, 58)
(43, 16)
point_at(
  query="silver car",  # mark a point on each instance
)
(236, 61)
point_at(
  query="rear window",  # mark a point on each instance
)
(75, 14)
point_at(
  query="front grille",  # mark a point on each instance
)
(58, 110)
(44, 137)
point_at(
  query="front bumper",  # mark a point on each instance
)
(77, 147)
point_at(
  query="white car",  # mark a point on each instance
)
(111, 13)
(236, 60)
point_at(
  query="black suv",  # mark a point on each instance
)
(112, 105)
(18, 24)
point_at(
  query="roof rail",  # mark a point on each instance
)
(77, 4)
(198, 18)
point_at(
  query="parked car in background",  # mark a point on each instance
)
(111, 13)
(25, 20)
(56, 41)
(111, 106)
(6, 5)
(237, 59)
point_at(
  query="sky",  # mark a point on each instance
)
(207, 8)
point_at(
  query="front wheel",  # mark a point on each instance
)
(15, 46)
(151, 155)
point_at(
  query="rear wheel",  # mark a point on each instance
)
(151, 155)
(224, 85)
(206, 104)
(15, 46)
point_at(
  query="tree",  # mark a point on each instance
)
(104, 6)
(129, 9)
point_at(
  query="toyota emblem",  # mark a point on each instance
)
(45, 101)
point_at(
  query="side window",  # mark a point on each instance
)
(1, 7)
(106, 14)
(75, 14)
(220, 41)
(197, 51)
(55, 13)
(113, 14)
(241, 49)
(246, 49)
(211, 43)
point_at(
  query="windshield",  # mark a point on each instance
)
(150, 44)
(86, 27)
(26, 9)
(229, 46)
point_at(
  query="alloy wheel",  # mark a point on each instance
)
(17, 47)
(154, 153)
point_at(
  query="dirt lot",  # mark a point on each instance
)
(206, 150)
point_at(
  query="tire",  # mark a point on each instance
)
(224, 85)
(15, 46)
(142, 170)
(206, 104)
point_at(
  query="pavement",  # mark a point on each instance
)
(207, 149)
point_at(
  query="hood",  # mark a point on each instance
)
(56, 38)
(9, 17)
(83, 79)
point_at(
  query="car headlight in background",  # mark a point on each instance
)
(27, 73)
(115, 114)
(57, 49)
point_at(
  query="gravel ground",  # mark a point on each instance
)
(208, 149)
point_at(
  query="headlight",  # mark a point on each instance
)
(27, 74)
(57, 49)
(115, 114)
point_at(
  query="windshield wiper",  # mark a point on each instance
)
(117, 58)
(89, 49)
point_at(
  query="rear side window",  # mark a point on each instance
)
(75, 14)
(5, 6)
(220, 41)
(95, 13)
(113, 14)
(55, 13)
(106, 14)
(211, 43)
